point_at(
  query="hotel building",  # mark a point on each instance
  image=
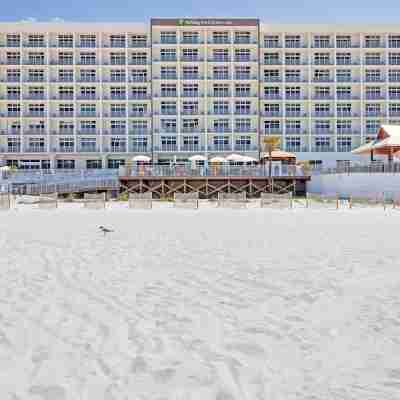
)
(77, 95)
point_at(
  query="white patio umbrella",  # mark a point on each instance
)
(141, 159)
(248, 159)
(218, 160)
(235, 157)
(198, 157)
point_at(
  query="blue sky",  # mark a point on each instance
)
(357, 11)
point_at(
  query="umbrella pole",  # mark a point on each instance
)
(372, 156)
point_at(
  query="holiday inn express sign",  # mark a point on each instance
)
(204, 22)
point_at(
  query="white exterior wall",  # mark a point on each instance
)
(269, 111)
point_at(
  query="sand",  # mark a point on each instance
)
(199, 304)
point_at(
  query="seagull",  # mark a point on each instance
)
(105, 230)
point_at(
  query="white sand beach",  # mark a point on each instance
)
(213, 304)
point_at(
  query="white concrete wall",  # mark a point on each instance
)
(360, 185)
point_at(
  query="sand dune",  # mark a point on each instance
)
(195, 305)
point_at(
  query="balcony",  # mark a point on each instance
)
(372, 96)
(118, 149)
(87, 97)
(88, 114)
(219, 59)
(274, 114)
(138, 44)
(295, 114)
(35, 96)
(139, 79)
(220, 147)
(89, 149)
(220, 41)
(63, 132)
(139, 131)
(193, 40)
(139, 114)
(322, 149)
(322, 96)
(167, 147)
(13, 114)
(191, 59)
(219, 77)
(139, 148)
(375, 62)
(138, 62)
(220, 129)
(139, 96)
(191, 77)
(63, 96)
(166, 59)
(63, 114)
(35, 114)
(322, 114)
(190, 148)
(88, 131)
(35, 149)
(220, 94)
(64, 149)
(272, 96)
(191, 112)
(272, 62)
(12, 149)
(245, 147)
(272, 79)
(167, 77)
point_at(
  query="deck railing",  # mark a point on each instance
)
(393, 168)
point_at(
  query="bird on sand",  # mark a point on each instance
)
(105, 230)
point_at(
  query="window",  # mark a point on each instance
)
(293, 110)
(13, 110)
(118, 110)
(36, 110)
(168, 54)
(292, 41)
(93, 164)
(117, 75)
(36, 75)
(293, 75)
(221, 125)
(242, 90)
(138, 40)
(394, 58)
(87, 40)
(372, 126)
(322, 75)
(190, 90)
(13, 75)
(372, 41)
(220, 37)
(243, 143)
(293, 126)
(139, 144)
(190, 54)
(65, 58)
(322, 126)
(118, 126)
(220, 72)
(13, 40)
(344, 144)
(394, 109)
(168, 125)
(65, 40)
(87, 75)
(88, 126)
(220, 90)
(139, 58)
(323, 144)
(272, 75)
(36, 58)
(36, 41)
(66, 145)
(168, 72)
(13, 57)
(190, 107)
(13, 92)
(36, 145)
(272, 127)
(221, 107)
(168, 37)
(87, 109)
(272, 58)
(190, 37)
(118, 145)
(373, 59)
(190, 143)
(292, 58)
(343, 58)
(394, 92)
(243, 125)
(168, 143)
(344, 126)
(139, 75)
(271, 41)
(394, 75)
(242, 37)
(322, 109)
(13, 145)
(242, 107)
(190, 125)
(139, 126)
(373, 75)
(372, 109)
(292, 92)
(65, 75)
(139, 109)
(221, 143)
(115, 164)
(394, 41)
(190, 72)
(168, 107)
(88, 144)
(343, 75)
(117, 58)
(242, 72)
(242, 55)
(343, 41)
(343, 92)
(221, 55)
(343, 109)
(322, 41)
(117, 40)
(168, 90)
(88, 92)
(373, 92)
(66, 127)
(293, 144)
(322, 59)
(87, 58)
(66, 110)
(272, 92)
(139, 92)
(65, 164)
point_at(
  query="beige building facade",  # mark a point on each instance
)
(76, 95)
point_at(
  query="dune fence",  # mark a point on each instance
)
(275, 200)
(5, 201)
(186, 200)
(95, 201)
(48, 201)
(142, 201)
(232, 200)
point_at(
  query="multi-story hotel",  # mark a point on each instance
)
(78, 95)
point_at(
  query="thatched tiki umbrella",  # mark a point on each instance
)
(271, 143)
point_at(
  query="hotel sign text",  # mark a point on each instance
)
(204, 22)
